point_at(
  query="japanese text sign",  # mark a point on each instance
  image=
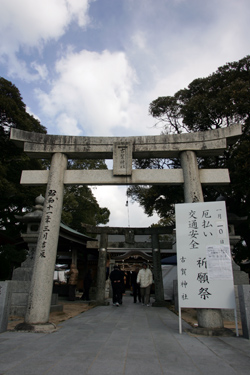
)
(122, 159)
(205, 277)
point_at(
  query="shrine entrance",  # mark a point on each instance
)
(122, 150)
(130, 247)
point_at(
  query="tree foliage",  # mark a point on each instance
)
(221, 99)
(79, 203)
(14, 197)
(217, 101)
(10, 257)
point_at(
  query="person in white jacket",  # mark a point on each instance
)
(145, 279)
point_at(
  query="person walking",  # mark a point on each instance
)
(116, 277)
(145, 279)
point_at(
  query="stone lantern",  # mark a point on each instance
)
(32, 219)
(21, 277)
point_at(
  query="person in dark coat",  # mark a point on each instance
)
(86, 285)
(116, 277)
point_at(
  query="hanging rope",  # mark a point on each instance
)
(127, 203)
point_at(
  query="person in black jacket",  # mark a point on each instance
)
(116, 277)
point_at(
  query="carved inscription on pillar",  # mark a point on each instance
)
(122, 159)
(49, 212)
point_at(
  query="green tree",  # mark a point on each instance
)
(14, 197)
(157, 198)
(79, 204)
(219, 100)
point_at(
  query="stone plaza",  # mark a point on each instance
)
(128, 340)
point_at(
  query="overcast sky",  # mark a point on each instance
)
(92, 67)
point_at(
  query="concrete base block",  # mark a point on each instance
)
(18, 310)
(21, 310)
(19, 299)
(20, 286)
(36, 328)
(19, 302)
(5, 293)
(22, 274)
(54, 299)
(244, 301)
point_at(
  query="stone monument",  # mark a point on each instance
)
(5, 295)
(21, 278)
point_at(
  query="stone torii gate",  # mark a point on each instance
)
(122, 150)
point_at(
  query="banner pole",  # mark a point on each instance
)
(180, 322)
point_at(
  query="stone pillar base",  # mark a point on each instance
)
(37, 328)
(209, 318)
(244, 300)
(226, 332)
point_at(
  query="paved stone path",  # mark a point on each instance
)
(126, 340)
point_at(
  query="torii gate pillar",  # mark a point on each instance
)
(42, 277)
(159, 290)
(101, 274)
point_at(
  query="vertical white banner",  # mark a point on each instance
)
(205, 277)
